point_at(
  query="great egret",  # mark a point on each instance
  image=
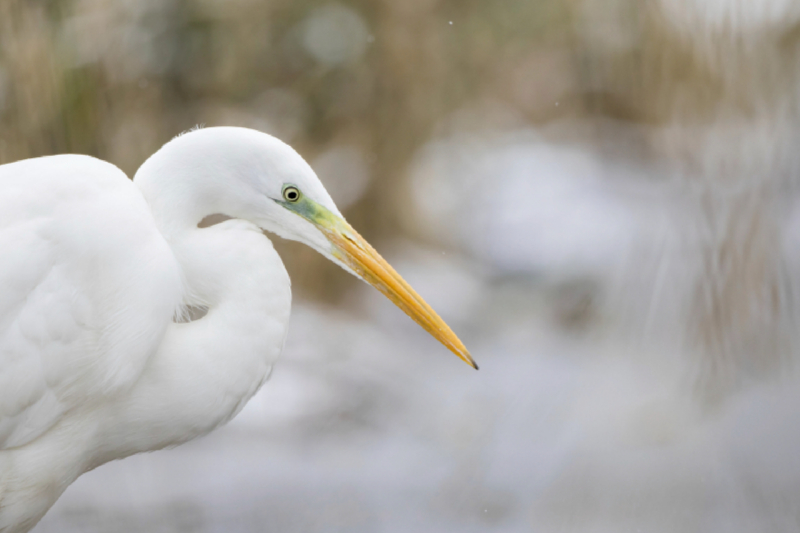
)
(94, 267)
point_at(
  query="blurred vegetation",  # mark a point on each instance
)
(118, 78)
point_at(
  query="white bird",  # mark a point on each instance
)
(94, 268)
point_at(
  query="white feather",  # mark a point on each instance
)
(93, 270)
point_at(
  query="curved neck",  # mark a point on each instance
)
(205, 371)
(179, 198)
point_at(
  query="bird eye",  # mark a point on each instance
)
(291, 194)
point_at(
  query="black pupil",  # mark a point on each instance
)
(291, 195)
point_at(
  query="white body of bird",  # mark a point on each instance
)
(94, 268)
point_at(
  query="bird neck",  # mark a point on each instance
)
(205, 371)
(181, 189)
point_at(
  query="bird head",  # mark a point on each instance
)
(250, 175)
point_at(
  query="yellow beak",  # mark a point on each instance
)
(355, 252)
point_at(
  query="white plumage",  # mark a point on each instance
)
(93, 269)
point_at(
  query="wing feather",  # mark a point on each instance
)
(88, 287)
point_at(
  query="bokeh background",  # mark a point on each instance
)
(600, 196)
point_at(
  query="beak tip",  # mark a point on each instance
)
(468, 359)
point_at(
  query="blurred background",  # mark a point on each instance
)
(599, 196)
